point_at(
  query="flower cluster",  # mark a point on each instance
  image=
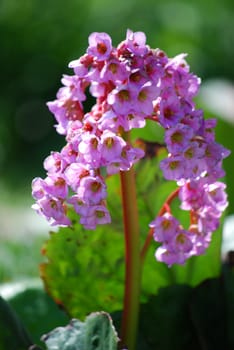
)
(130, 84)
(195, 162)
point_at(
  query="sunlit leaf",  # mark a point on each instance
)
(85, 269)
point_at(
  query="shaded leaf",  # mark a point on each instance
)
(96, 333)
(13, 334)
(208, 314)
(228, 281)
(181, 317)
(38, 312)
(164, 321)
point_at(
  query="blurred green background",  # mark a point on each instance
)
(39, 38)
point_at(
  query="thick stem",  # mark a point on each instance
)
(132, 261)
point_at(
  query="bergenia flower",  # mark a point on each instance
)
(131, 84)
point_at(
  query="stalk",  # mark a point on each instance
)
(129, 326)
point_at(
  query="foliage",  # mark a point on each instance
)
(91, 263)
(38, 312)
(13, 335)
(200, 317)
(96, 333)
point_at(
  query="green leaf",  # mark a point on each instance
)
(84, 269)
(96, 333)
(181, 317)
(208, 314)
(227, 280)
(38, 312)
(164, 321)
(151, 132)
(13, 335)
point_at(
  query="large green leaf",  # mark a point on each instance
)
(164, 321)
(181, 317)
(13, 334)
(227, 280)
(37, 311)
(96, 333)
(84, 271)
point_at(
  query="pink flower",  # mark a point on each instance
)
(97, 215)
(136, 42)
(99, 46)
(38, 191)
(78, 204)
(53, 209)
(55, 163)
(73, 88)
(173, 167)
(92, 189)
(129, 156)
(114, 70)
(74, 173)
(111, 147)
(64, 112)
(170, 257)
(192, 195)
(170, 112)
(122, 99)
(55, 186)
(181, 242)
(145, 97)
(217, 196)
(164, 227)
(82, 65)
(178, 138)
(89, 147)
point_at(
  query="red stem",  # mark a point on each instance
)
(130, 315)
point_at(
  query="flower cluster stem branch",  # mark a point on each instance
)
(130, 315)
